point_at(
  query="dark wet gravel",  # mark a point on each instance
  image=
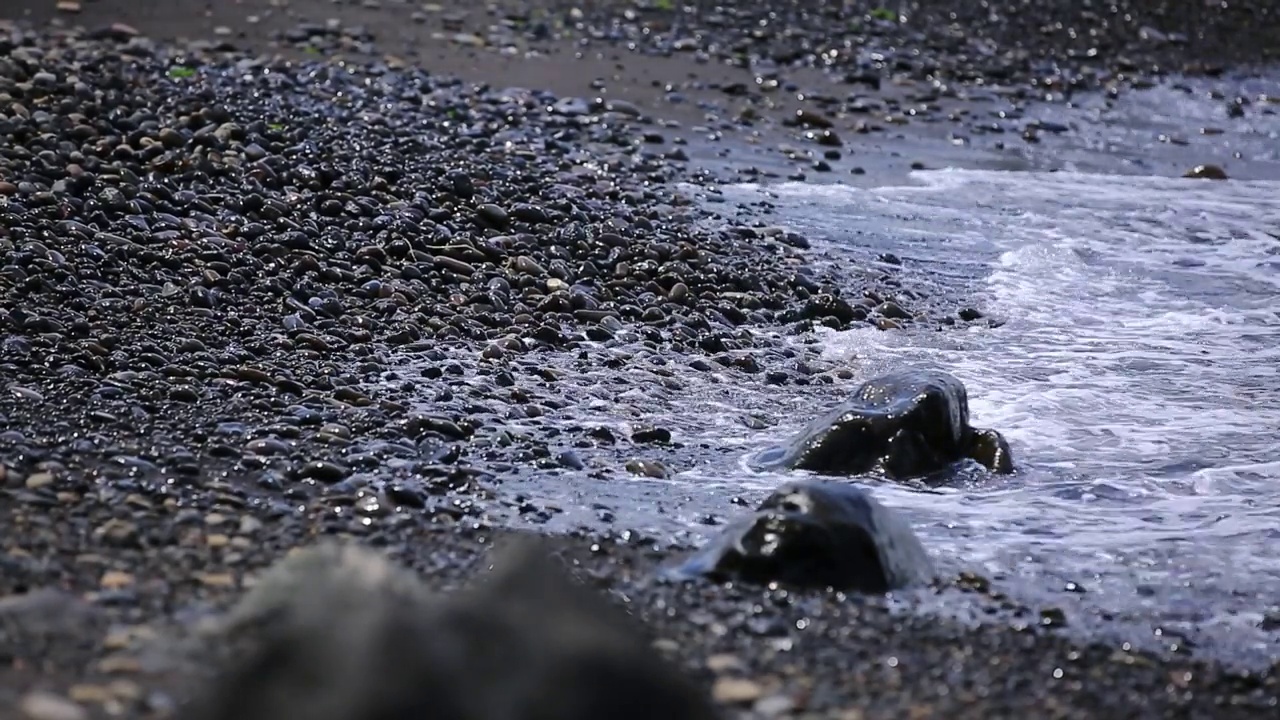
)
(243, 252)
(244, 304)
(1005, 76)
(1053, 44)
(762, 653)
(820, 91)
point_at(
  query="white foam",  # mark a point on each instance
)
(1134, 375)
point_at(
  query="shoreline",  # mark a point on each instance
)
(181, 453)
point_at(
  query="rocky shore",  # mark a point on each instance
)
(291, 279)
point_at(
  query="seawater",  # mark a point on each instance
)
(1132, 366)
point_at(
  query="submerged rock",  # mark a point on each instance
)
(814, 534)
(338, 632)
(1206, 172)
(904, 424)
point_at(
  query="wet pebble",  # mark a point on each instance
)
(647, 468)
(651, 435)
(323, 471)
(1206, 172)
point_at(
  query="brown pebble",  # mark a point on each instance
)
(920, 712)
(91, 694)
(126, 690)
(35, 481)
(216, 580)
(138, 501)
(118, 639)
(116, 532)
(736, 691)
(123, 29)
(119, 664)
(724, 663)
(115, 579)
(40, 705)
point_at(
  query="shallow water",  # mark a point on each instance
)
(1164, 130)
(1133, 375)
(1131, 367)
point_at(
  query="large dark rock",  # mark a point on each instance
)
(904, 424)
(811, 534)
(339, 633)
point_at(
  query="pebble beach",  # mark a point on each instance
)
(279, 271)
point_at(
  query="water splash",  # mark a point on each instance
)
(1138, 349)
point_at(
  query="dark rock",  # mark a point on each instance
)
(810, 118)
(529, 213)
(903, 424)
(602, 434)
(893, 311)
(651, 435)
(419, 425)
(828, 138)
(1270, 620)
(571, 460)
(990, 449)
(1206, 172)
(492, 216)
(338, 632)
(824, 305)
(323, 471)
(813, 534)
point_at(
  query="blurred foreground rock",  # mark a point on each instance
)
(338, 632)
